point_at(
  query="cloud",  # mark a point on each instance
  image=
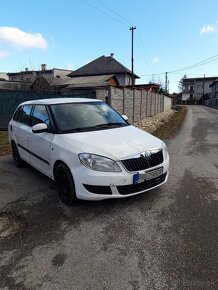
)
(20, 39)
(156, 59)
(207, 29)
(3, 53)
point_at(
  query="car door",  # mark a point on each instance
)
(21, 129)
(39, 144)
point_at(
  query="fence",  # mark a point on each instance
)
(213, 102)
(137, 104)
(9, 100)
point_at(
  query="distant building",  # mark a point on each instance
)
(214, 89)
(29, 76)
(151, 87)
(195, 89)
(38, 80)
(213, 100)
(4, 76)
(106, 65)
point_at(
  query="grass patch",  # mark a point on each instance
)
(4, 145)
(169, 128)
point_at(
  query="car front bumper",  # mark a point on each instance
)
(95, 185)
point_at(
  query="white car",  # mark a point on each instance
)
(87, 148)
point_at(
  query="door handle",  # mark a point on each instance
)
(29, 135)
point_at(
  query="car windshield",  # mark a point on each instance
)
(80, 117)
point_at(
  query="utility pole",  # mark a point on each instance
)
(166, 82)
(132, 29)
(203, 90)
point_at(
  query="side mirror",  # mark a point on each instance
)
(40, 128)
(125, 117)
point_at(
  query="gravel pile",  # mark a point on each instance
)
(150, 124)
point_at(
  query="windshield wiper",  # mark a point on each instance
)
(79, 129)
(91, 128)
(109, 125)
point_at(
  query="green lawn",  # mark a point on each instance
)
(4, 145)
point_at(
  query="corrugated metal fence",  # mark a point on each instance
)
(9, 100)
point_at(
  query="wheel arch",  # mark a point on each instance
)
(12, 142)
(57, 162)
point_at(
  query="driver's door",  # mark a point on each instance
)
(39, 144)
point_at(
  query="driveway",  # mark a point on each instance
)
(163, 239)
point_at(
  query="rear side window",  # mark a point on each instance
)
(16, 116)
(25, 114)
(40, 115)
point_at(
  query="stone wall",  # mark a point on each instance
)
(137, 104)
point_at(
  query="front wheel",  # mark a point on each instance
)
(65, 184)
(16, 156)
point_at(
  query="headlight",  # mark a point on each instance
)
(99, 163)
(165, 153)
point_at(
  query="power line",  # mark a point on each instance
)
(122, 21)
(144, 58)
(203, 62)
(213, 58)
(121, 17)
(105, 13)
(145, 54)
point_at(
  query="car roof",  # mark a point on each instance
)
(59, 101)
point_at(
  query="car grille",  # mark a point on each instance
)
(137, 164)
(133, 188)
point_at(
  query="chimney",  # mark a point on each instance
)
(26, 69)
(43, 67)
(112, 54)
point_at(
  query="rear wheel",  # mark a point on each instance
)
(16, 156)
(65, 184)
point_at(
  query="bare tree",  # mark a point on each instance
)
(180, 84)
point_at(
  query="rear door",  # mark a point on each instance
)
(21, 129)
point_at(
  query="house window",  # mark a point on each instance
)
(128, 81)
(192, 89)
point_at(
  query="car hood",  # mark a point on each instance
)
(116, 143)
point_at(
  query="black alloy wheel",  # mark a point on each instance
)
(65, 184)
(16, 156)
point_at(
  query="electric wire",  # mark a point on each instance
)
(105, 13)
(127, 23)
(117, 14)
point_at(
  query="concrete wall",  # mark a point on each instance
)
(137, 104)
(167, 103)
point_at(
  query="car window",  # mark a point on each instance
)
(40, 115)
(16, 116)
(86, 116)
(25, 114)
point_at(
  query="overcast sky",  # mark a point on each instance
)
(170, 35)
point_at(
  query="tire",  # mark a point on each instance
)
(65, 184)
(16, 156)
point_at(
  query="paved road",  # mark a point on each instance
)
(164, 239)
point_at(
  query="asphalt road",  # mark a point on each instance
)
(163, 239)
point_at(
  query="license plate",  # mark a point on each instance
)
(141, 177)
(154, 173)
